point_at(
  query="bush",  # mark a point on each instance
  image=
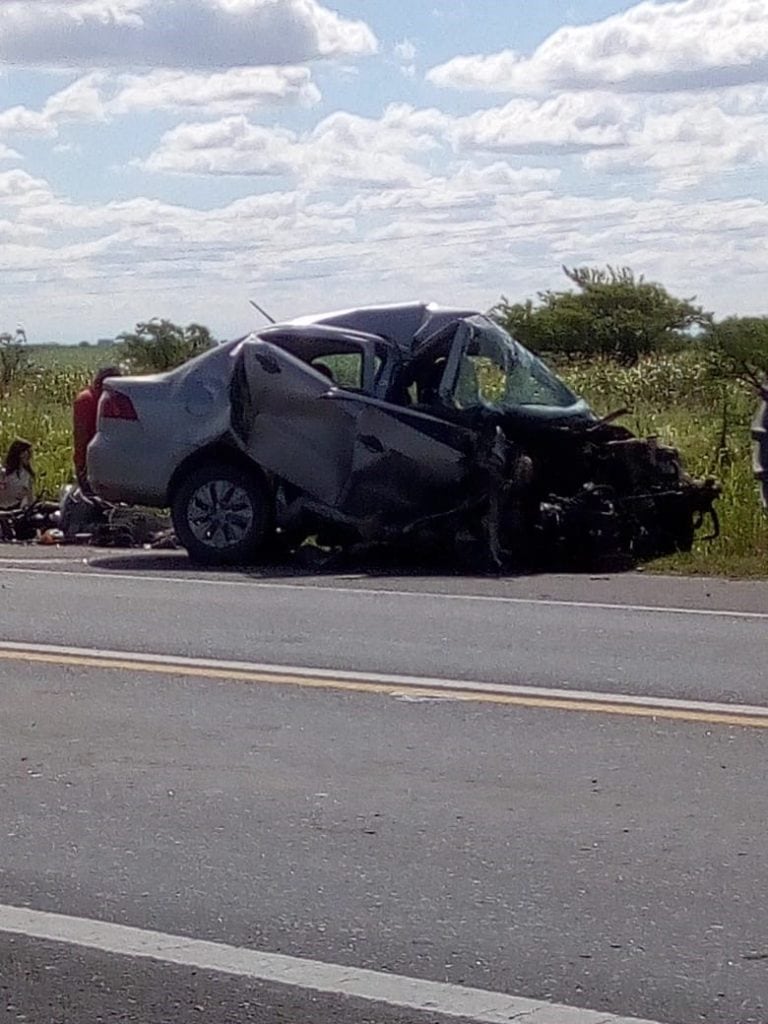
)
(14, 361)
(739, 349)
(159, 345)
(612, 314)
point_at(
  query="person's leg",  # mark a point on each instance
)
(6, 529)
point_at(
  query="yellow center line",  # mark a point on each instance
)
(603, 707)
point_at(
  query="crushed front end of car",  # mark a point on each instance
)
(548, 482)
(583, 493)
(572, 498)
(452, 442)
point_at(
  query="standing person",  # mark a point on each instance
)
(84, 413)
(17, 478)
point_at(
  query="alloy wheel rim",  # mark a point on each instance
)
(220, 514)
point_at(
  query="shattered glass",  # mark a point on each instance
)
(496, 372)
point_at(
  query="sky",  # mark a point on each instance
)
(176, 158)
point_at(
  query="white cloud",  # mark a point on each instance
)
(100, 97)
(465, 236)
(688, 143)
(163, 260)
(342, 147)
(230, 146)
(67, 147)
(399, 148)
(368, 152)
(12, 233)
(405, 54)
(176, 33)
(573, 122)
(410, 203)
(21, 120)
(405, 51)
(681, 139)
(19, 189)
(81, 100)
(233, 91)
(652, 47)
(466, 187)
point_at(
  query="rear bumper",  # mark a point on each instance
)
(117, 472)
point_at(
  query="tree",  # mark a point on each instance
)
(14, 359)
(612, 313)
(158, 345)
(740, 349)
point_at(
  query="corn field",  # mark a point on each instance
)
(39, 408)
(673, 396)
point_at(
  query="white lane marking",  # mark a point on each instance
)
(434, 998)
(397, 682)
(546, 602)
(42, 561)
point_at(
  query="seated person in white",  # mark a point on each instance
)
(17, 477)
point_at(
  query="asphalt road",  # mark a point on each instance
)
(582, 859)
(551, 631)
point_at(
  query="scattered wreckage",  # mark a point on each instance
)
(78, 518)
(414, 426)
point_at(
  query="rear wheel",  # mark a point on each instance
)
(222, 514)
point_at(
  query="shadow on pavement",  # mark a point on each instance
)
(314, 565)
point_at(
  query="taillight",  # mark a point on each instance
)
(116, 406)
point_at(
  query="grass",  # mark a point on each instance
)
(39, 408)
(673, 396)
(86, 358)
(708, 420)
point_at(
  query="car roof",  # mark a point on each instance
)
(309, 340)
(405, 323)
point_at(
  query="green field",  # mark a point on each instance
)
(71, 357)
(671, 396)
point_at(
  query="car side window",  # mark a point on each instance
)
(344, 369)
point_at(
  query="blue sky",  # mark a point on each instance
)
(176, 157)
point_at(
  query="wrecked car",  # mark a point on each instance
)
(413, 425)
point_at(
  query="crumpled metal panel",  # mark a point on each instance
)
(354, 454)
(405, 464)
(285, 426)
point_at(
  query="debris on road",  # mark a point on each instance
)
(81, 519)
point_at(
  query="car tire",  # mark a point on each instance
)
(222, 514)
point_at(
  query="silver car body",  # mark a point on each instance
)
(385, 423)
(189, 409)
(177, 413)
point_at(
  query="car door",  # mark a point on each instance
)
(350, 451)
(284, 423)
(405, 463)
